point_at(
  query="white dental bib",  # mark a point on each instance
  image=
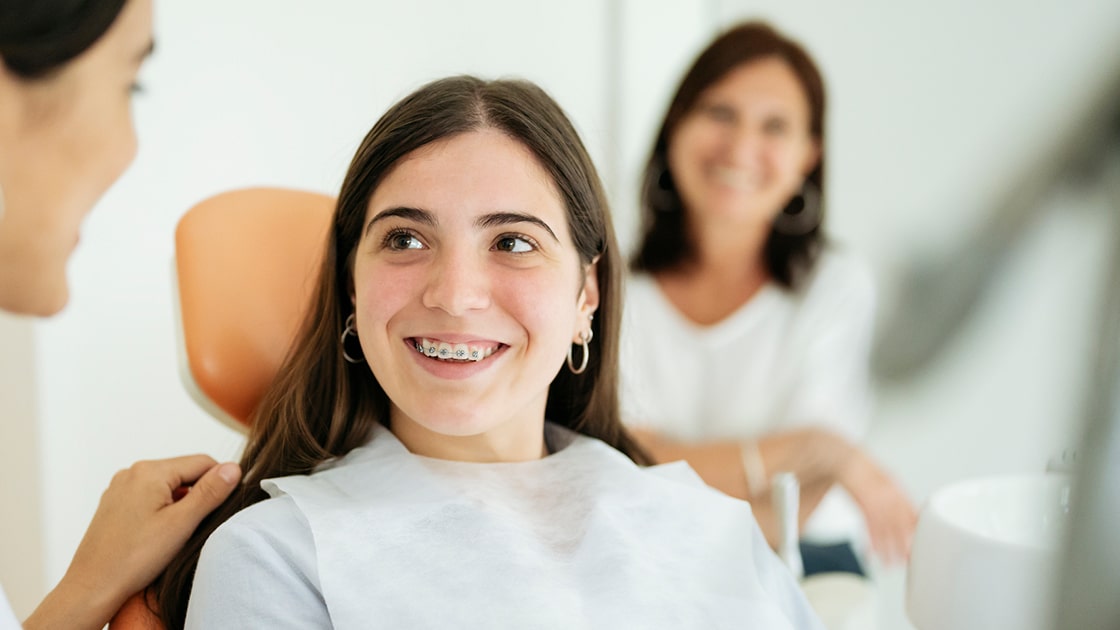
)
(582, 538)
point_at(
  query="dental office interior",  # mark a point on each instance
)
(974, 162)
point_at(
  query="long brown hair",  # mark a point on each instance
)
(664, 244)
(320, 406)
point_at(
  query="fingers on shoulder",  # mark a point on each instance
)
(207, 494)
(171, 472)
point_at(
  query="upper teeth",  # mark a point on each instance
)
(453, 351)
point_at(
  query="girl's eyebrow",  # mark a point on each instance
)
(485, 221)
(412, 214)
(509, 218)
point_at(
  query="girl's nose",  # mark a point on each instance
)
(457, 283)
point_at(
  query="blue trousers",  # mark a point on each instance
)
(828, 558)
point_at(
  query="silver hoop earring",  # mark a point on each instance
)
(350, 330)
(803, 213)
(585, 342)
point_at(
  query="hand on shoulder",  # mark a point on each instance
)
(137, 528)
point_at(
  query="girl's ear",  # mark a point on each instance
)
(588, 301)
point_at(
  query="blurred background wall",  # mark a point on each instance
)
(937, 112)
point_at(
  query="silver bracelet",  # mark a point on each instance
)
(753, 467)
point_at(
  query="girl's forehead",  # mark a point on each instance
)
(469, 174)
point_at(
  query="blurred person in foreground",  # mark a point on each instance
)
(68, 73)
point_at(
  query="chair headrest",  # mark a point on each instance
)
(246, 262)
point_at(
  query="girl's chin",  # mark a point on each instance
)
(438, 423)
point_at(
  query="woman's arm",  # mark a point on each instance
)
(819, 458)
(138, 526)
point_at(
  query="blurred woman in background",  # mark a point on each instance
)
(747, 336)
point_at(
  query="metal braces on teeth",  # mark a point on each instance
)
(443, 352)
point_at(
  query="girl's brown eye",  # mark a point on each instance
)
(403, 240)
(514, 245)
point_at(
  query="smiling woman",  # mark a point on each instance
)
(490, 267)
(770, 325)
(424, 457)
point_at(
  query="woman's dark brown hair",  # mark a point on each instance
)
(665, 243)
(39, 37)
(320, 406)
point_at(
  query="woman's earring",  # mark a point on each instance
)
(803, 213)
(585, 342)
(663, 193)
(664, 180)
(350, 330)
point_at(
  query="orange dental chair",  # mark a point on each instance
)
(245, 266)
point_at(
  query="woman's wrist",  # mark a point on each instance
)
(74, 605)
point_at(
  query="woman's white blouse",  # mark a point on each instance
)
(783, 360)
(582, 538)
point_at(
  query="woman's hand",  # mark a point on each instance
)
(890, 515)
(137, 528)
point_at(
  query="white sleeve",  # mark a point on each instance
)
(833, 386)
(258, 570)
(773, 574)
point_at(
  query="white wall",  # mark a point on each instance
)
(934, 107)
